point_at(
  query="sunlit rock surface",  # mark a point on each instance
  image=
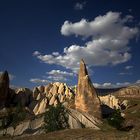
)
(86, 99)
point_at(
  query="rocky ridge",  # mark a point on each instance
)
(84, 105)
(130, 92)
(113, 102)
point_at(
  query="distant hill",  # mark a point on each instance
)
(132, 91)
(105, 91)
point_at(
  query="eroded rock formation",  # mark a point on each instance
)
(24, 97)
(86, 99)
(4, 88)
(131, 91)
(113, 102)
(51, 94)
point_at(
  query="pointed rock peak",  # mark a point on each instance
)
(4, 77)
(4, 88)
(83, 70)
(86, 99)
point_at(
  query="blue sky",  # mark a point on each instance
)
(43, 41)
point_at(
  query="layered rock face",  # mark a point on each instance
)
(79, 119)
(131, 91)
(110, 101)
(4, 88)
(113, 102)
(52, 94)
(86, 99)
(26, 127)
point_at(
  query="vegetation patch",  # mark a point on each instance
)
(13, 118)
(116, 120)
(56, 118)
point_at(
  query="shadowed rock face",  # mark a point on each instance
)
(86, 99)
(4, 87)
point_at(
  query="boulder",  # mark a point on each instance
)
(26, 127)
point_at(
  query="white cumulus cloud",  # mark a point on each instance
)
(53, 75)
(111, 85)
(79, 6)
(38, 80)
(125, 73)
(59, 72)
(110, 37)
(58, 75)
(128, 67)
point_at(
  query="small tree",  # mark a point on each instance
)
(17, 116)
(14, 117)
(56, 118)
(116, 120)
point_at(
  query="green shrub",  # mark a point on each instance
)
(56, 118)
(13, 118)
(17, 117)
(116, 120)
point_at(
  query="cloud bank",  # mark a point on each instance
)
(109, 45)
(116, 85)
(38, 80)
(53, 75)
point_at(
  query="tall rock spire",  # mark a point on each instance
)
(86, 99)
(4, 87)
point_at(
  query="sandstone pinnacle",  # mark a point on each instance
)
(86, 99)
(4, 87)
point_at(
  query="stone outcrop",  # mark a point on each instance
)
(35, 93)
(86, 99)
(130, 92)
(82, 120)
(35, 126)
(110, 101)
(113, 102)
(51, 94)
(41, 106)
(26, 127)
(41, 89)
(24, 97)
(4, 88)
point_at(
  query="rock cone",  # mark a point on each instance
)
(4, 87)
(86, 99)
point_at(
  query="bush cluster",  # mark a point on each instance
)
(116, 120)
(14, 117)
(56, 118)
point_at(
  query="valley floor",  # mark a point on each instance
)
(82, 134)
